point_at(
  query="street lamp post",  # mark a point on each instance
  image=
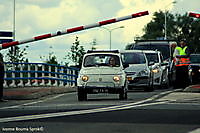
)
(174, 2)
(110, 31)
(14, 20)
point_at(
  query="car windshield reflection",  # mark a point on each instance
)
(101, 60)
(133, 58)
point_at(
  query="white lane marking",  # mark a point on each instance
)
(195, 131)
(40, 101)
(165, 93)
(111, 108)
(50, 115)
(31, 103)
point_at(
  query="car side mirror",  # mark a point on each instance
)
(125, 65)
(151, 63)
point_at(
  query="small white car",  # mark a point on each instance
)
(102, 72)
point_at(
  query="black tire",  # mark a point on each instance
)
(150, 88)
(123, 95)
(166, 84)
(82, 95)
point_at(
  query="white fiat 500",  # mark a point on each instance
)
(102, 72)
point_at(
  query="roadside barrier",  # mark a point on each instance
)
(39, 74)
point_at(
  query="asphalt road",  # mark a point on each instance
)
(143, 112)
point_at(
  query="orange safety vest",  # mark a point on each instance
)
(182, 61)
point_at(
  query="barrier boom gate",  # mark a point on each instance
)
(71, 30)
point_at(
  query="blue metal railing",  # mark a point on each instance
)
(39, 74)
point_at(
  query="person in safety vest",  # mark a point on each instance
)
(182, 54)
(182, 62)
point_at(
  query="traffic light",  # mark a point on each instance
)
(196, 15)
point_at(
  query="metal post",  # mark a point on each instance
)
(110, 31)
(165, 25)
(14, 20)
(174, 2)
(110, 39)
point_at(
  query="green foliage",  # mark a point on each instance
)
(15, 54)
(76, 54)
(178, 27)
(51, 59)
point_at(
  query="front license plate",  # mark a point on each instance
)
(100, 90)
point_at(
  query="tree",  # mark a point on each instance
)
(76, 54)
(17, 56)
(51, 59)
(178, 27)
(156, 28)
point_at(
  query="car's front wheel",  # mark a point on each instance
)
(82, 95)
(123, 93)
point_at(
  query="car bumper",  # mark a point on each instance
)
(105, 87)
(139, 82)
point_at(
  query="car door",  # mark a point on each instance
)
(156, 67)
(164, 70)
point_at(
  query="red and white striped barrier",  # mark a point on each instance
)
(75, 29)
(196, 15)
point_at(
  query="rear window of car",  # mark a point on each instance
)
(164, 49)
(133, 58)
(96, 60)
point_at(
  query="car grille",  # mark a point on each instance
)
(130, 73)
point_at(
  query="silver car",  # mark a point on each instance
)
(138, 69)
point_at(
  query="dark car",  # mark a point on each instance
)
(194, 69)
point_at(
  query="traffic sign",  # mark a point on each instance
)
(6, 34)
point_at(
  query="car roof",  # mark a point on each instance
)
(100, 53)
(130, 51)
(151, 51)
(195, 54)
(141, 51)
(154, 42)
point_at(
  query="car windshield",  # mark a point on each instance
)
(152, 57)
(101, 60)
(195, 58)
(164, 49)
(133, 58)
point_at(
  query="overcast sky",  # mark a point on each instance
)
(38, 17)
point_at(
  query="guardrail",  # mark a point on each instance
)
(39, 74)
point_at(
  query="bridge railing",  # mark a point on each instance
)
(39, 74)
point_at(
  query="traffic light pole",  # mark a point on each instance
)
(71, 30)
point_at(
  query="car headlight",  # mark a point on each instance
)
(190, 70)
(143, 73)
(85, 78)
(155, 70)
(116, 78)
